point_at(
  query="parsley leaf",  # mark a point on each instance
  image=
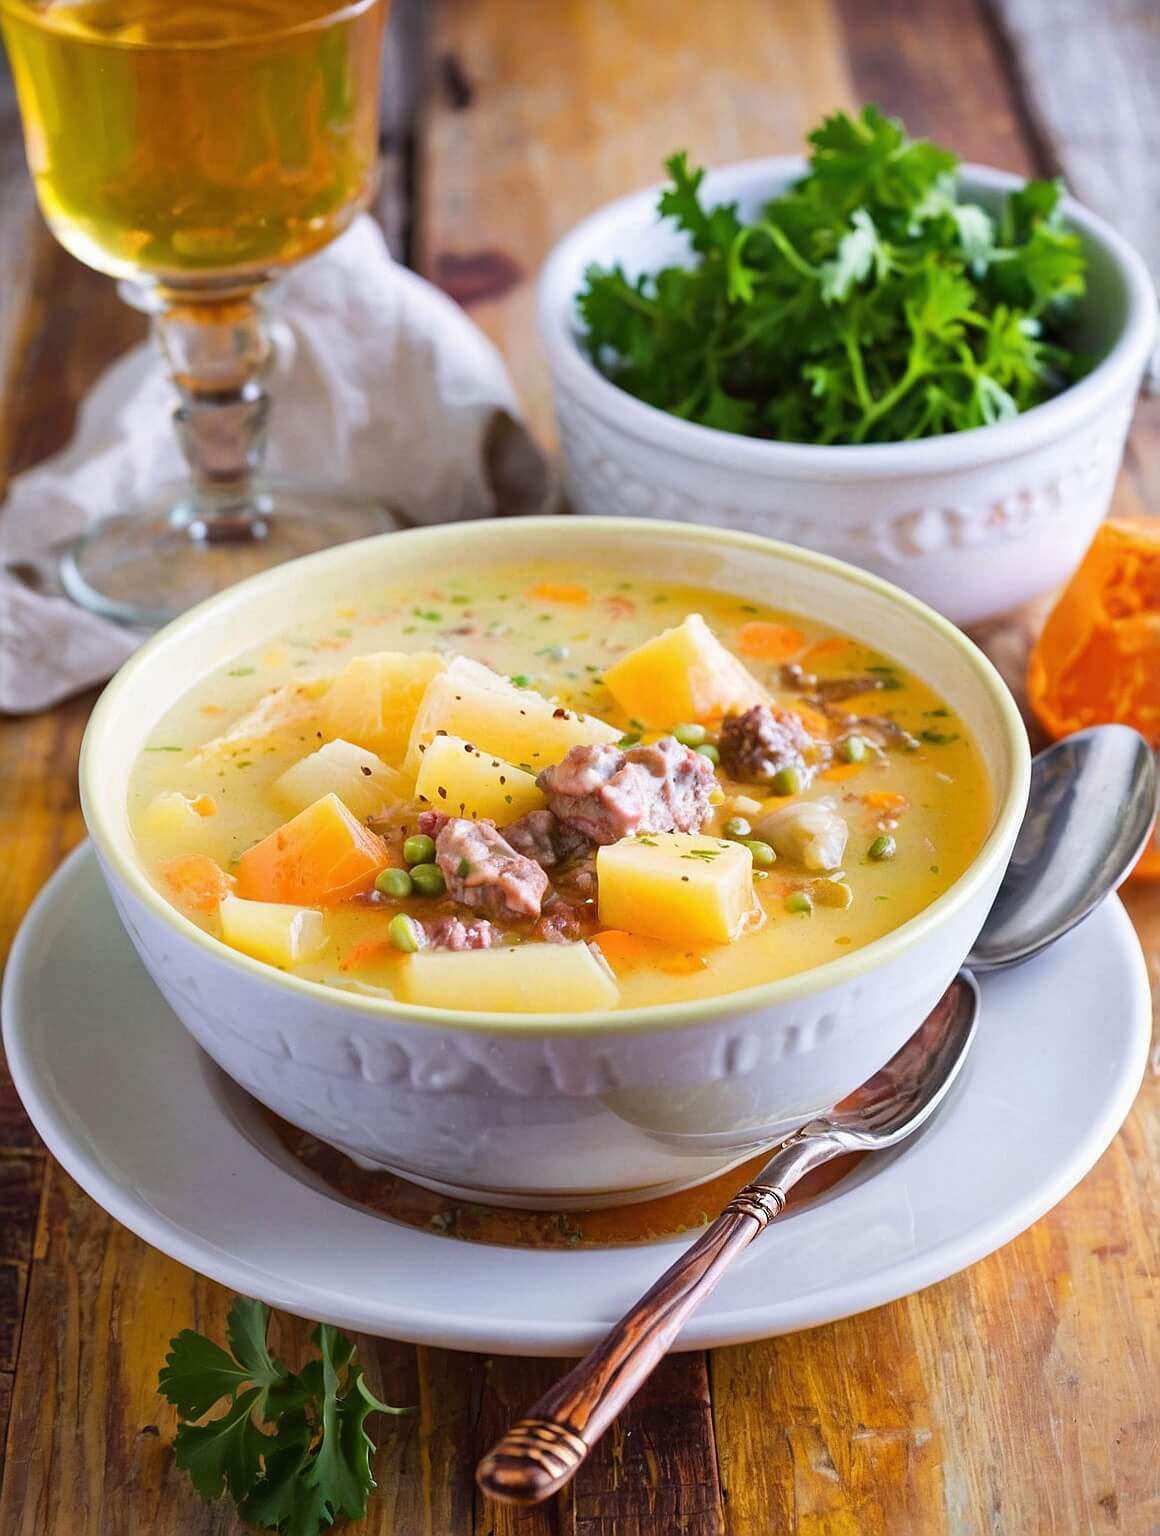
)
(313, 1465)
(863, 304)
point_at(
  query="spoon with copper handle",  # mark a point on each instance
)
(542, 1452)
(1089, 814)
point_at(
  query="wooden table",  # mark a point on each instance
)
(1019, 1397)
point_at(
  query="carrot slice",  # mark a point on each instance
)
(814, 721)
(195, 882)
(365, 952)
(842, 771)
(558, 592)
(886, 802)
(823, 649)
(622, 949)
(626, 951)
(763, 641)
(321, 856)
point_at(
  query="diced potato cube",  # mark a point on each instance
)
(360, 779)
(530, 978)
(321, 856)
(272, 931)
(684, 673)
(175, 820)
(373, 699)
(458, 778)
(294, 705)
(681, 887)
(518, 724)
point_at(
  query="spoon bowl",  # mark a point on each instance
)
(1089, 813)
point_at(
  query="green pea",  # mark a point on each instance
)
(737, 826)
(786, 781)
(394, 882)
(763, 854)
(428, 880)
(883, 847)
(852, 749)
(709, 751)
(419, 849)
(799, 901)
(404, 933)
(690, 735)
(521, 680)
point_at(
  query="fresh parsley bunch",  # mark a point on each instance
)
(313, 1464)
(865, 305)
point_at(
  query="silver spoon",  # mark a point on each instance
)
(1090, 809)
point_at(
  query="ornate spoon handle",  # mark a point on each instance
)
(542, 1452)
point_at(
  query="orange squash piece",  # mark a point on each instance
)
(1098, 658)
(195, 883)
(319, 857)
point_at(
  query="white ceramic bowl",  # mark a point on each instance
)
(551, 1108)
(974, 523)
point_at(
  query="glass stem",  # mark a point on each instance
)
(218, 350)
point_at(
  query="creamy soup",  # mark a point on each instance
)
(536, 789)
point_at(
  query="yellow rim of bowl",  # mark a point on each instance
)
(832, 973)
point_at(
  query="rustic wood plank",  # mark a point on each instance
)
(1089, 78)
(656, 1469)
(545, 112)
(89, 1448)
(940, 69)
(506, 1387)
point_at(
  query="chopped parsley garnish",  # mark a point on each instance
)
(245, 671)
(311, 1465)
(938, 738)
(165, 749)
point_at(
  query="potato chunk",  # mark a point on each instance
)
(271, 931)
(292, 706)
(682, 674)
(373, 700)
(812, 832)
(458, 778)
(686, 889)
(530, 978)
(178, 821)
(322, 855)
(476, 704)
(360, 779)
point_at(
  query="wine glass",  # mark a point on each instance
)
(193, 149)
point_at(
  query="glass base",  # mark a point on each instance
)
(144, 568)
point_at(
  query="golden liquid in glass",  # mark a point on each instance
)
(183, 139)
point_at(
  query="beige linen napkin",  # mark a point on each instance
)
(380, 383)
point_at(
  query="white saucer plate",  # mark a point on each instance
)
(155, 1133)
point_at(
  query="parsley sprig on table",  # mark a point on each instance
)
(864, 305)
(312, 1465)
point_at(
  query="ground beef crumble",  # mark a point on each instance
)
(760, 743)
(484, 872)
(603, 793)
(454, 933)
